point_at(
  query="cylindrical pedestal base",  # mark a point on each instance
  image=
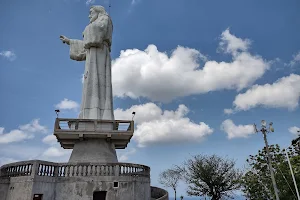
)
(94, 150)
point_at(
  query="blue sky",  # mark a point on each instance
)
(178, 64)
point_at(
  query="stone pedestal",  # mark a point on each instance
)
(94, 150)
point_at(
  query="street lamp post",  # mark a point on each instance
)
(264, 131)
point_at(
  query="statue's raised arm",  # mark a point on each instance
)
(95, 50)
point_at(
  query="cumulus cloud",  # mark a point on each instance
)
(284, 93)
(124, 154)
(294, 130)
(155, 126)
(50, 139)
(159, 77)
(22, 133)
(236, 131)
(67, 104)
(10, 55)
(232, 44)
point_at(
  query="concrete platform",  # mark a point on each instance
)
(70, 131)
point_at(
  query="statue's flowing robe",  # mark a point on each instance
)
(97, 99)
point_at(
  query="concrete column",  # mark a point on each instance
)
(94, 150)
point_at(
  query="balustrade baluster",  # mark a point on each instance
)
(73, 170)
(98, 170)
(68, 168)
(29, 169)
(91, 170)
(112, 170)
(12, 171)
(16, 171)
(44, 170)
(86, 170)
(47, 170)
(105, 170)
(25, 170)
(41, 168)
(81, 168)
(77, 170)
(64, 170)
(21, 170)
(53, 170)
(59, 171)
(50, 170)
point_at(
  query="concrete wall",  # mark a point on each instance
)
(60, 182)
(4, 187)
(46, 186)
(20, 188)
(82, 188)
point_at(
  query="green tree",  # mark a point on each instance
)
(213, 176)
(170, 178)
(256, 182)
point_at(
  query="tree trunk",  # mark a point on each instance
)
(175, 193)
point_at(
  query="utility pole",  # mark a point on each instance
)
(264, 131)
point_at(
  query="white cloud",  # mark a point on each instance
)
(22, 133)
(155, 126)
(10, 55)
(155, 75)
(294, 130)
(88, 2)
(33, 127)
(296, 59)
(231, 44)
(124, 155)
(236, 131)
(284, 93)
(50, 139)
(67, 104)
(228, 111)
(56, 152)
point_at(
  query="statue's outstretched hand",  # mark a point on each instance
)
(64, 39)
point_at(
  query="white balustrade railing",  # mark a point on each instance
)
(42, 168)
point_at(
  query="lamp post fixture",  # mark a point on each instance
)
(264, 131)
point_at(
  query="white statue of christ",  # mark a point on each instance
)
(95, 50)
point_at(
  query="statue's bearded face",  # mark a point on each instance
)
(93, 15)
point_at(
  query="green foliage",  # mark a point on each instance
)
(256, 182)
(213, 176)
